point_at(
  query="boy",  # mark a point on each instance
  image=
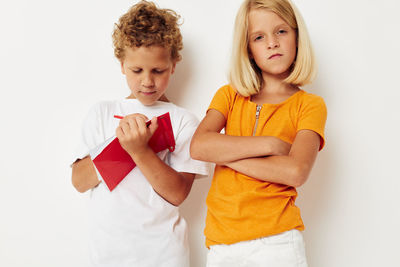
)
(138, 223)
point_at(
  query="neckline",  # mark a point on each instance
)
(155, 104)
(277, 104)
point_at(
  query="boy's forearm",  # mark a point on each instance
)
(171, 185)
(84, 176)
(220, 148)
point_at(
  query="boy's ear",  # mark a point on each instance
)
(173, 68)
(122, 67)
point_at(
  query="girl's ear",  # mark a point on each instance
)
(250, 54)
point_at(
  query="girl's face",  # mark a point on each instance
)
(147, 71)
(272, 43)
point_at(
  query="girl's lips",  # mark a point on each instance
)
(275, 56)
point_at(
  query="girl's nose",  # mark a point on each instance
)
(273, 43)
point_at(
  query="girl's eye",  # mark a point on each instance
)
(281, 31)
(258, 38)
(137, 71)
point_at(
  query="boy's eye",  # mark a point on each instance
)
(137, 70)
(157, 71)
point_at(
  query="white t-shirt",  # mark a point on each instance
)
(133, 225)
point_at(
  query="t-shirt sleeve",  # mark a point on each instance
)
(313, 117)
(92, 134)
(222, 100)
(180, 159)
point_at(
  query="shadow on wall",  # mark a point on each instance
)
(318, 194)
(317, 197)
(193, 209)
(180, 80)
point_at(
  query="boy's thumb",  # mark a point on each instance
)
(153, 125)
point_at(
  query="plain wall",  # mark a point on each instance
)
(56, 61)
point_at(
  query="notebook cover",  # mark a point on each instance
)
(114, 163)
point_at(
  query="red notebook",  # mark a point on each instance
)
(114, 163)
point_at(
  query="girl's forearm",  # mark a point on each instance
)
(221, 148)
(274, 169)
(292, 169)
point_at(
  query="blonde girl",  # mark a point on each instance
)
(273, 132)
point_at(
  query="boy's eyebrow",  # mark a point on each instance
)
(155, 67)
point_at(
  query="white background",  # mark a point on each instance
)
(56, 61)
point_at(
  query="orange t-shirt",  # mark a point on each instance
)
(244, 208)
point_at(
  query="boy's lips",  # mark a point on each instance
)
(147, 93)
(275, 56)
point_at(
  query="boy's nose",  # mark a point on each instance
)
(148, 82)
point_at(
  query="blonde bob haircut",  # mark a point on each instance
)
(244, 75)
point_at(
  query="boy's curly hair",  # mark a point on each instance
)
(145, 25)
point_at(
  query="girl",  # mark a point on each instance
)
(273, 132)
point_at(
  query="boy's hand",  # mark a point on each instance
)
(133, 133)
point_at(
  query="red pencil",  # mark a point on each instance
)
(121, 117)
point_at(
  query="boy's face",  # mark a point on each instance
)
(147, 71)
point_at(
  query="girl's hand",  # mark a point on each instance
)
(133, 133)
(275, 147)
(279, 147)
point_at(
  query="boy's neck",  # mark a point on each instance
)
(162, 98)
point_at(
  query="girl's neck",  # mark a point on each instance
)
(274, 91)
(275, 83)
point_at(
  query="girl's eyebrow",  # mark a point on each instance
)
(284, 25)
(276, 26)
(255, 33)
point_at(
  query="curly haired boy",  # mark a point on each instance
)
(138, 223)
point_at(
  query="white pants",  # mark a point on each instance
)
(282, 250)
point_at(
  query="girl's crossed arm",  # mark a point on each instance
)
(292, 169)
(263, 157)
(209, 145)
